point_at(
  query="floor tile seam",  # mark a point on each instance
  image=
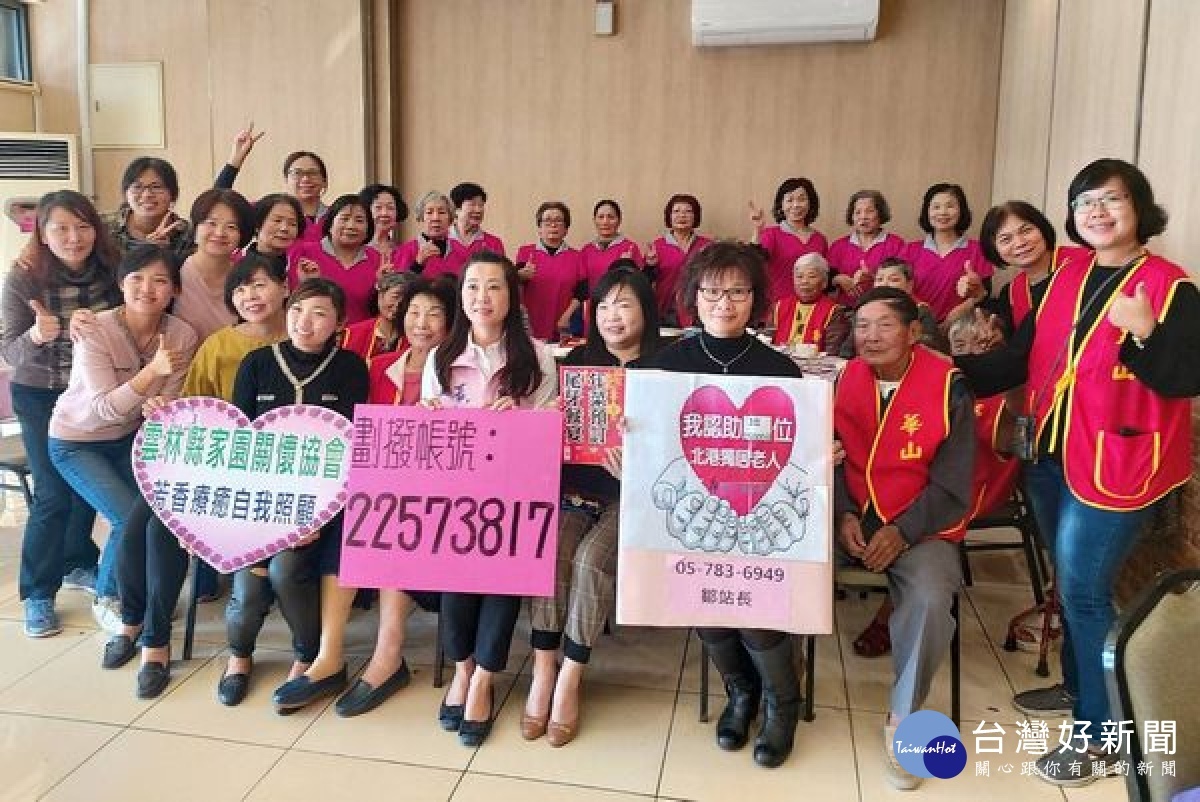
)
(112, 737)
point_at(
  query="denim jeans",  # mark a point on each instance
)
(151, 566)
(58, 530)
(102, 473)
(1088, 546)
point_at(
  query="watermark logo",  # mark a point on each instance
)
(927, 744)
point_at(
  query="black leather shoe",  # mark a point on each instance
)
(363, 698)
(119, 650)
(232, 689)
(450, 717)
(301, 691)
(152, 680)
(474, 733)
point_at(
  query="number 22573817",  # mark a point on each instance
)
(492, 527)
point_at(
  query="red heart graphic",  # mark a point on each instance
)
(737, 452)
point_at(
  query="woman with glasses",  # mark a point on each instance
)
(1109, 364)
(550, 270)
(725, 286)
(147, 215)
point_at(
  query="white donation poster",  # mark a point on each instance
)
(726, 511)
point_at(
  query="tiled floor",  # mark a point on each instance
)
(69, 730)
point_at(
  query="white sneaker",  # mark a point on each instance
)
(107, 612)
(900, 779)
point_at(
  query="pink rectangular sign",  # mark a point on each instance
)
(592, 401)
(459, 500)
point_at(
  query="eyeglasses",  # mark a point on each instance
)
(300, 173)
(736, 294)
(553, 221)
(147, 189)
(1084, 203)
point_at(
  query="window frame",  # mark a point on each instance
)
(24, 57)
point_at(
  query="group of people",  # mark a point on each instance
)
(290, 301)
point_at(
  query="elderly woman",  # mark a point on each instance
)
(1109, 364)
(666, 256)
(388, 211)
(428, 253)
(550, 271)
(342, 255)
(855, 256)
(810, 316)
(467, 234)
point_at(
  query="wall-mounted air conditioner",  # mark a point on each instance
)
(30, 166)
(771, 22)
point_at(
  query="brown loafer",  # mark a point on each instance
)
(560, 734)
(533, 727)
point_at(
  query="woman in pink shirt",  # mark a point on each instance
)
(855, 257)
(550, 271)
(428, 253)
(343, 255)
(946, 255)
(599, 254)
(224, 222)
(132, 354)
(467, 236)
(795, 208)
(669, 253)
(488, 361)
(388, 210)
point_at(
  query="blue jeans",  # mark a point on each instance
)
(102, 473)
(58, 530)
(1088, 546)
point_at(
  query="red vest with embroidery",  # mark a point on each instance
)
(1124, 445)
(823, 310)
(994, 475)
(888, 453)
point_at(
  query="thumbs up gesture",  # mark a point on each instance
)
(651, 255)
(757, 217)
(166, 360)
(862, 276)
(970, 284)
(307, 268)
(46, 326)
(1133, 313)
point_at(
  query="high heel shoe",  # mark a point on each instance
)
(474, 733)
(450, 717)
(533, 727)
(561, 733)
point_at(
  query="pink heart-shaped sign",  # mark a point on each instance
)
(236, 492)
(737, 452)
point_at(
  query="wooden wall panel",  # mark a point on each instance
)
(1168, 151)
(522, 98)
(1096, 90)
(16, 108)
(1026, 101)
(298, 76)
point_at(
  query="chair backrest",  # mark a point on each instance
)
(1153, 673)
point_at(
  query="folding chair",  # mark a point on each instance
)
(1014, 513)
(810, 653)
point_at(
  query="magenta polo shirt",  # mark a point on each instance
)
(783, 248)
(597, 259)
(936, 276)
(457, 254)
(671, 259)
(548, 294)
(357, 280)
(847, 253)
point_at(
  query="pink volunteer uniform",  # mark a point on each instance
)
(548, 294)
(597, 260)
(671, 259)
(455, 259)
(936, 276)
(357, 280)
(784, 247)
(847, 253)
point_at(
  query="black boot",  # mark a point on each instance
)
(781, 691)
(743, 687)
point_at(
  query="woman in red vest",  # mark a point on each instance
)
(903, 494)
(1109, 362)
(810, 316)
(1015, 234)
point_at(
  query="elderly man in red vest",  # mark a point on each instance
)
(903, 494)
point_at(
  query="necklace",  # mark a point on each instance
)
(297, 384)
(724, 365)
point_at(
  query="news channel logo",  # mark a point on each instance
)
(927, 744)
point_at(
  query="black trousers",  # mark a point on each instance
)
(293, 577)
(151, 566)
(479, 626)
(757, 639)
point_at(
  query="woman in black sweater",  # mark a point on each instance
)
(725, 287)
(307, 368)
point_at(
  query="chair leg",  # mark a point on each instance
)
(703, 680)
(189, 625)
(810, 676)
(1036, 579)
(439, 658)
(956, 664)
(26, 489)
(965, 560)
